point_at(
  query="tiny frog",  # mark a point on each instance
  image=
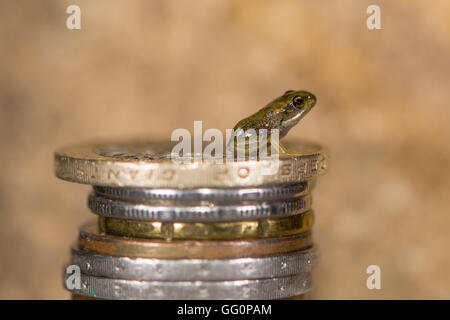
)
(282, 113)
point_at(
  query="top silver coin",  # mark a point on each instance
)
(147, 164)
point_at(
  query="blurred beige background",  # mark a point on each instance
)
(148, 67)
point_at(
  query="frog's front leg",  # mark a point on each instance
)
(267, 147)
(247, 150)
(244, 145)
(276, 145)
(261, 148)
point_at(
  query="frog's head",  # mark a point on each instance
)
(295, 105)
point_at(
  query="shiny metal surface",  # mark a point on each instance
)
(274, 288)
(207, 194)
(229, 230)
(193, 269)
(90, 238)
(199, 213)
(145, 164)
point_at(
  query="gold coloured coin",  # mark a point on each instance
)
(146, 164)
(235, 230)
(90, 238)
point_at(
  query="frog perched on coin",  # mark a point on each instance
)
(282, 114)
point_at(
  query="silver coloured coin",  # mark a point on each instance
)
(207, 194)
(264, 289)
(212, 213)
(193, 269)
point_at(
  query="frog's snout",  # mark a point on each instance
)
(311, 100)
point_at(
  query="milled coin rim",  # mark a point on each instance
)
(226, 230)
(260, 289)
(81, 164)
(94, 264)
(143, 195)
(91, 239)
(212, 212)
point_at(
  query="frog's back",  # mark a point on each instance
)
(262, 119)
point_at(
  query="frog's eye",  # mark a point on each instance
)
(298, 101)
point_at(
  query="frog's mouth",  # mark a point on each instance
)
(289, 123)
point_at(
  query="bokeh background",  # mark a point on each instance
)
(144, 68)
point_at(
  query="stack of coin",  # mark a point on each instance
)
(200, 230)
